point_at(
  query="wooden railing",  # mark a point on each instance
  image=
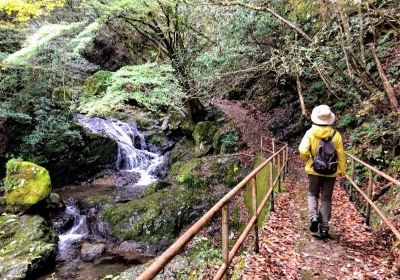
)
(368, 196)
(280, 157)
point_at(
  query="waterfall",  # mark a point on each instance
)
(132, 155)
(74, 235)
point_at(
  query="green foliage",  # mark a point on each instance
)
(39, 40)
(151, 86)
(189, 180)
(230, 141)
(52, 136)
(97, 83)
(10, 39)
(349, 121)
(204, 253)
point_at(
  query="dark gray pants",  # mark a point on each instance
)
(319, 185)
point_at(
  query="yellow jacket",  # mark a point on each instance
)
(311, 141)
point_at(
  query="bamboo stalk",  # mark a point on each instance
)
(271, 185)
(225, 239)
(254, 196)
(368, 206)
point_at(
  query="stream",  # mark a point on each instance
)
(86, 248)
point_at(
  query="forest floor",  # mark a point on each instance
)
(288, 250)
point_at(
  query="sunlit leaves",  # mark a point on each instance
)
(23, 10)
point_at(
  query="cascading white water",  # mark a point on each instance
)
(132, 154)
(75, 234)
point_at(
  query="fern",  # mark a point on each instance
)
(151, 86)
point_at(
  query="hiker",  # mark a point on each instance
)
(324, 161)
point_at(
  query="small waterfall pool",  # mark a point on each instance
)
(134, 159)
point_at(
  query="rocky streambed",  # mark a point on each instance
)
(165, 175)
(87, 248)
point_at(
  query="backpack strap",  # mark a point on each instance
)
(334, 133)
(327, 139)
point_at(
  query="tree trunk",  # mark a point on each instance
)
(388, 87)
(301, 97)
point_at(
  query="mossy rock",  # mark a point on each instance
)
(27, 244)
(26, 183)
(206, 171)
(226, 141)
(179, 124)
(182, 151)
(203, 135)
(156, 218)
(97, 83)
(189, 174)
(155, 187)
(160, 140)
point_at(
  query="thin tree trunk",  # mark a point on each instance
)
(361, 35)
(301, 97)
(388, 87)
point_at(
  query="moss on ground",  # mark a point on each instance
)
(155, 218)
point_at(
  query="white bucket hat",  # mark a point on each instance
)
(322, 115)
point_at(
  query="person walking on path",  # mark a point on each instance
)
(322, 149)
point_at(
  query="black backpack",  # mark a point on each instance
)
(325, 161)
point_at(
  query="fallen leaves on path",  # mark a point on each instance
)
(289, 251)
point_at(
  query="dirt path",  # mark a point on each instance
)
(287, 249)
(251, 122)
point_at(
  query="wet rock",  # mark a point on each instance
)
(27, 245)
(62, 222)
(54, 202)
(127, 178)
(132, 252)
(90, 252)
(159, 143)
(26, 184)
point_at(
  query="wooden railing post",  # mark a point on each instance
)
(273, 150)
(286, 161)
(254, 197)
(261, 151)
(352, 178)
(225, 239)
(368, 211)
(279, 172)
(271, 184)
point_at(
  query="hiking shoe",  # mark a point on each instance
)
(314, 224)
(324, 234)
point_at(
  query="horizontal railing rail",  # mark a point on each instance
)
(368, 196)
(222, 205)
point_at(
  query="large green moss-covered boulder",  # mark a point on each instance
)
(203, 135)
(26, 184)
(156, 218)
(27, 244)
